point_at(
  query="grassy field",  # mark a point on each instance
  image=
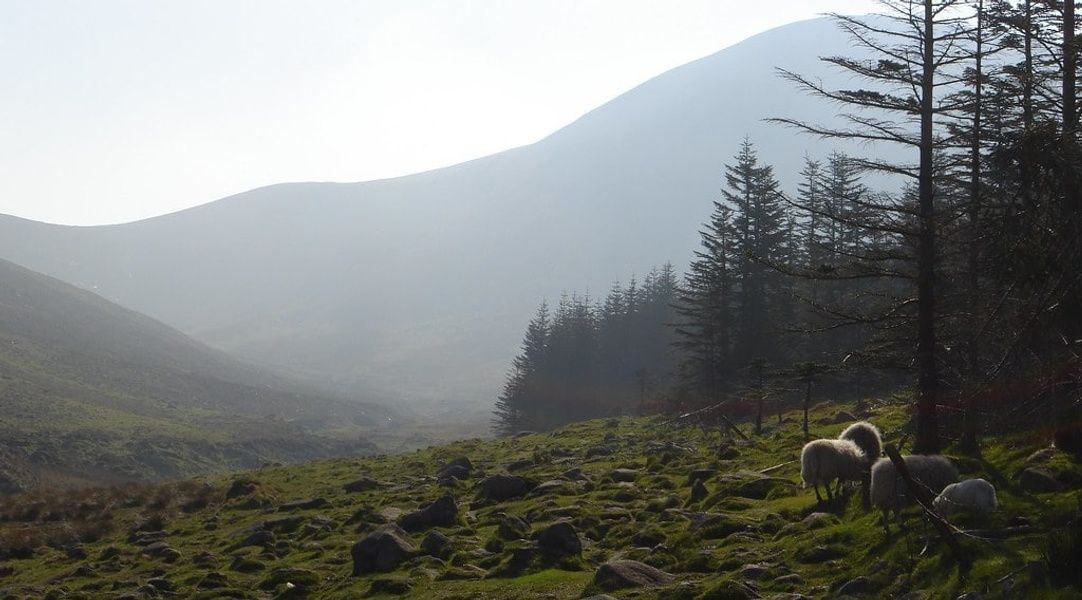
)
(752, 535)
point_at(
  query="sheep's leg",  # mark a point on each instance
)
(838, 489)
(817, 496)
(830, 497)
(886, 523)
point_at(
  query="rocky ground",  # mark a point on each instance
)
(629, 507)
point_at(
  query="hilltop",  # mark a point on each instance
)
(595, 492)
(93, 393)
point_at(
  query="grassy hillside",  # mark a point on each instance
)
(622, 485)
(91, 393)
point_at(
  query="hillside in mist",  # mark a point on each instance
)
(417, 288)
(92, 392)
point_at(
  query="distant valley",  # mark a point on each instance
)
(91, 393)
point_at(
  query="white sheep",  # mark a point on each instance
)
(889, 492)
(973, 495)
(866, 437)
(824, 461)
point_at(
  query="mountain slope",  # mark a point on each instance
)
(417, 288)
(92, 392)
(603, 490)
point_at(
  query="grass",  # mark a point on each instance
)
(753, 538)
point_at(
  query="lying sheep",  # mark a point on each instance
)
(973, 495)
(866, 437)
(890, 493)
(824, 461)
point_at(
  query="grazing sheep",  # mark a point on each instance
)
(866, 437)
(889, 492)
(824, 461)
(974, 495)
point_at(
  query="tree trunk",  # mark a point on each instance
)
(1070, 68)
(927, 438)
(969, 441)
(1071, 314)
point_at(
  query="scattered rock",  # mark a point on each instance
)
(511, 527)
(161, 583)
(595, 451)
(383, 550)
(161, 550)
(520, 465)
(213, 580)
(463, 572)
(435, 543)
(559, 540)
(364, 484)
(625, 475)
(857, 586)
(1040, 456)
(75, 552)
(552, 486)
(283, 524)
(461, 461)
(1037, 480)
(205, 559)
(618, 574)
(752, 485)
(560, 452)
(757, 571)
(260, 537)
(84, 570)
(700, 475)
(241, 487)
(790, 579)
(818, 520)
(394, 586)
(109, 552)
(574, 475)
(699, 491)
(499, 488)
(649, 538)
(818, 554)
(305, 504)
(441, 513)
(730, 590)
(842, 416)
(454, 472)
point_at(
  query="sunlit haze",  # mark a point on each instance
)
(119, 110)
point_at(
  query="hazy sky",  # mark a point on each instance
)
(116, 110)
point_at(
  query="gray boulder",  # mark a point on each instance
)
(383, 550)
(1036, 480)
(559, 540)
(441, 513)
(499, 488)
(619, 574)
